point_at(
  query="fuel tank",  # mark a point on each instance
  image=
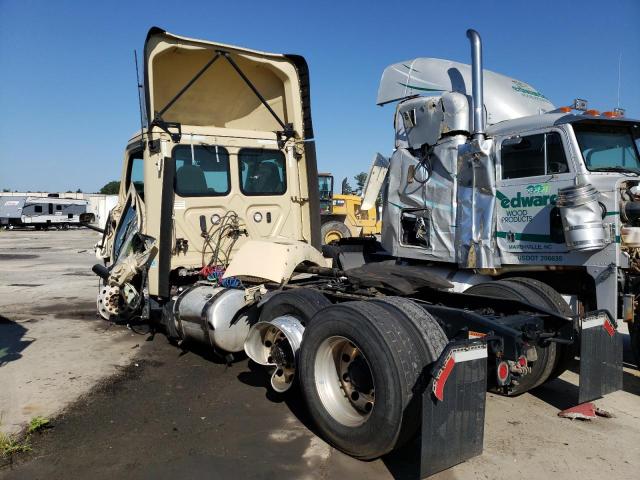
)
(215, 316)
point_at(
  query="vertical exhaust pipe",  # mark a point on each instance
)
(476, 84)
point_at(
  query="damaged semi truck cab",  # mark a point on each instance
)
(489, 180)
(227, 152)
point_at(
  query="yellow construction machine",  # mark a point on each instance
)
(340, 214)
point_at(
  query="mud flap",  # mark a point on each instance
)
(600, 356)
(453, 408)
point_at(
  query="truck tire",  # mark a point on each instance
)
(542, 368)
(333, 231)
(425, 325)
(301, 303)
(360, 363)
(554, 301)
(426, 328)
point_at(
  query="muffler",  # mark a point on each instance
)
(477, 84)
(275, 344)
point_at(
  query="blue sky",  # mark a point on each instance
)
(68, 100)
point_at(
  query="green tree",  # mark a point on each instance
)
(111, 188)
(360, 179)
(345, 188)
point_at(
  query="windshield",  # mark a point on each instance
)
(606, 147)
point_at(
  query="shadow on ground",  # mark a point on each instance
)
(562, 394)
(259, 377)
(12, 340)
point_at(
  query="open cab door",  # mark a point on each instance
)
(229, 137)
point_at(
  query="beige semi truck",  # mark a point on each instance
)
(217, 237)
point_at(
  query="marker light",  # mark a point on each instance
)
(565, 109)
(595, 113)
(503, 373)
(610, 114)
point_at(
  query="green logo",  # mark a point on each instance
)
(526, 90)
(540, 188)
(535, 196)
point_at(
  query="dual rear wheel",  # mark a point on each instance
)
(361, 367)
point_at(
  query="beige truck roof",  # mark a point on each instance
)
(221, 93)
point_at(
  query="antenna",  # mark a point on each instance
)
(139, 86)
(619, 72)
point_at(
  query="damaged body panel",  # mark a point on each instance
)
(488, 178)
(226, 155)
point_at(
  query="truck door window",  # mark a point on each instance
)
(262, 172)
(533, 155)
(201, 171)
(136, 173)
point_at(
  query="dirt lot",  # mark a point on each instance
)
(53, 348)
(174, 414)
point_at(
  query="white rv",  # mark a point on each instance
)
(41, 212)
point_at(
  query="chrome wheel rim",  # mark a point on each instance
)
(344, 381)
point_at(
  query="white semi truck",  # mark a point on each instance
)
(216, 235)
(513, 188)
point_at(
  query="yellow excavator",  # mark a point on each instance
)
(341, 215)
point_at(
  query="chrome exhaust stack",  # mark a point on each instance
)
(275, 344)
(477, 84)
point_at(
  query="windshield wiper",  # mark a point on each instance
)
(616, 168)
